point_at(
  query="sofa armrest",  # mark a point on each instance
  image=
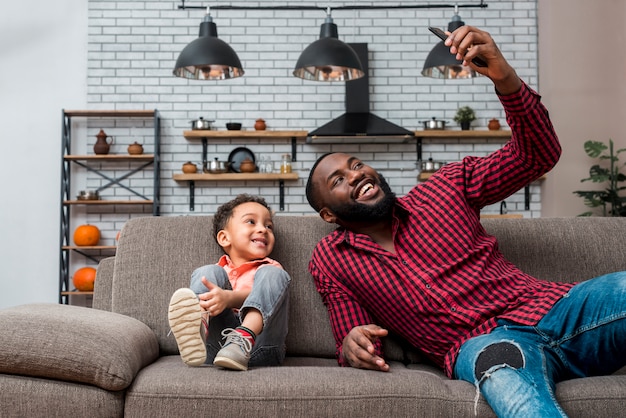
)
(103, 284)
(75, 344)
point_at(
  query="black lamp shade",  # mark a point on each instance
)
(328, 59)
(208, 57)
(440, 63)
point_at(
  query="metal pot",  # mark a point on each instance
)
(434, 124)
(200, 123)
(217, 167)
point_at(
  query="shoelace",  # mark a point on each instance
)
(233, 336)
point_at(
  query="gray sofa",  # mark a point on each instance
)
(118, 359)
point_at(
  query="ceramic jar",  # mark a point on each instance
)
(102, 146)
(189, 168)
(247, 166)
(494, 125)
(260, 125)
(135, 149)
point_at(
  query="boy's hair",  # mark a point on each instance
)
(225, 212)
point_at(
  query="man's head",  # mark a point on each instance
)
(243, 227)
(345, 191)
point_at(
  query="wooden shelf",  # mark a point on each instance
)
(200, 133)
(236, 176)
(423, 176)
(76, 292)
(107, 202)
(89, 247)
(470, 134)
(110, 157)
(110, 113)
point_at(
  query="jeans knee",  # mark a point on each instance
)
(496, 356)
(213, 273)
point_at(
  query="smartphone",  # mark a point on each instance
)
(442, 35)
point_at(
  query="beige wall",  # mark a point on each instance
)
(582, 78)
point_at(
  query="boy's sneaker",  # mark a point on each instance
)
(235, 352)
(188, 325)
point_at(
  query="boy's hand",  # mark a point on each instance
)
(215, 300)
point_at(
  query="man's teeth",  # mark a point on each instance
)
(365, 189)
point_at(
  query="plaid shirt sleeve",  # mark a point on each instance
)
(532, 151)
(343, 310)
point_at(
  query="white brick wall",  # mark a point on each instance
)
(133, 46)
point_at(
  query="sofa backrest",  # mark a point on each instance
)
(156, 256)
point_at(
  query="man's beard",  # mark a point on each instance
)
(359, 212)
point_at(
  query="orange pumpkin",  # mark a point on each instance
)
(84, 279)
(86, 235)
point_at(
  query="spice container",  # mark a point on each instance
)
(285, 164)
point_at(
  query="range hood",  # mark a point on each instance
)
(358, 120)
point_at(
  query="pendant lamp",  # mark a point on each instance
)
(208, 57)
(440, 63)
(328, 59)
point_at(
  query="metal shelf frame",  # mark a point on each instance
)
(68, 159)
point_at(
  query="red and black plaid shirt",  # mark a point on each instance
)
(447, 281)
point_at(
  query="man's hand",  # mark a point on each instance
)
(468, 42)
(358, 348)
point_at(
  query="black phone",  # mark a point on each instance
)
(442, 35)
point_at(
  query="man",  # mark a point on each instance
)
(423, 267)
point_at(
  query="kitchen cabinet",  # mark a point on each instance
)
(204, 135)
(116, 170)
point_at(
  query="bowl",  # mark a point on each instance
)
(233, 126)
(88, 195)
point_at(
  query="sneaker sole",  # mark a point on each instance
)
(184, 315)
(229, 363)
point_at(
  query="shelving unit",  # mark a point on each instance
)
(137, 163)
(205, 135)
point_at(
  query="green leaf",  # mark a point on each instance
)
(594, 148)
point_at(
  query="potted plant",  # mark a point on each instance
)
(608, 199)
(464, 116)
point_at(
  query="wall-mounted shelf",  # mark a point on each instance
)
(204, 136)
(469, 134)
(192, 178)
(451, 134)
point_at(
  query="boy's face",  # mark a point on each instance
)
(249, 233)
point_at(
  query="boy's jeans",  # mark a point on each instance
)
(269, 295)
(584, 334)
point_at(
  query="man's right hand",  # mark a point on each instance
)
(358, 348)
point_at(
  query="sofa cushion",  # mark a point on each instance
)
(74, 344)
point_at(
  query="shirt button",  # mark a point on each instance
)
(453, 309)
(427, 286)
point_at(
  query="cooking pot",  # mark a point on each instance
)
(200, 123)
(434, 124)
(217, 167)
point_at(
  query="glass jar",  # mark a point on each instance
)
(285, 164)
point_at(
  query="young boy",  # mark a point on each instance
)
(245, 295)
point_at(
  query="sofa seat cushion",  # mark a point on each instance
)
(303, 386)
(75, 344)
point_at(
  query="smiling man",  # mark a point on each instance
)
(423, 267)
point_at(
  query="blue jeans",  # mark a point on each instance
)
(269, 295)
(516, 368)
